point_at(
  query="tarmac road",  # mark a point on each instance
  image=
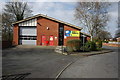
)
(41, 62)
(97, 66)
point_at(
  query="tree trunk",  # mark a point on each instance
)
(91, 38)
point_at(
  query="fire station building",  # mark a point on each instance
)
(44, 30)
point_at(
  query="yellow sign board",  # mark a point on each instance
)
(75, 33)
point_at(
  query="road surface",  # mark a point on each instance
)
(41, 62)
(97, 66)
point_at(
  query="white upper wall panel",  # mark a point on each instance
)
(32, 22)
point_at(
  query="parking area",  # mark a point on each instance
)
(41, 62)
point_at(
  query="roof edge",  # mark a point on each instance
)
(86, 34)
(45, 16)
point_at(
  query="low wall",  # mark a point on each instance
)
(111, 44)
(6, 44)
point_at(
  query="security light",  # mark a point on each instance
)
(47, 28)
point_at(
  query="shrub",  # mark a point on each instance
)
(105, 41)
(89, 46)
(73, 45)
(99, 44)
(85, 48)
(92, 45)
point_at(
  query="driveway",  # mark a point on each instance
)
(41, 62)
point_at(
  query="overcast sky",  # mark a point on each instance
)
(65, 11)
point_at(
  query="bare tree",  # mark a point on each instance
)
(93, 15)
(6, 26)
(18, 10)
(103, 35)
(13, 11)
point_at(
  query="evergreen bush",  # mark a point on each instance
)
(73, 45)
(99, 44)
(89, 46)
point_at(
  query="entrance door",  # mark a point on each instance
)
(43, 40)
(51, 41)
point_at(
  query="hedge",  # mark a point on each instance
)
(76, 45)
(73, 45)
(89, 46)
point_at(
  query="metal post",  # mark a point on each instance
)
(83, 42)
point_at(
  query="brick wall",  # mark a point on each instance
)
(53, 26)
(42, 24)
(42, 30)
(70, 37)
(15, 34)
